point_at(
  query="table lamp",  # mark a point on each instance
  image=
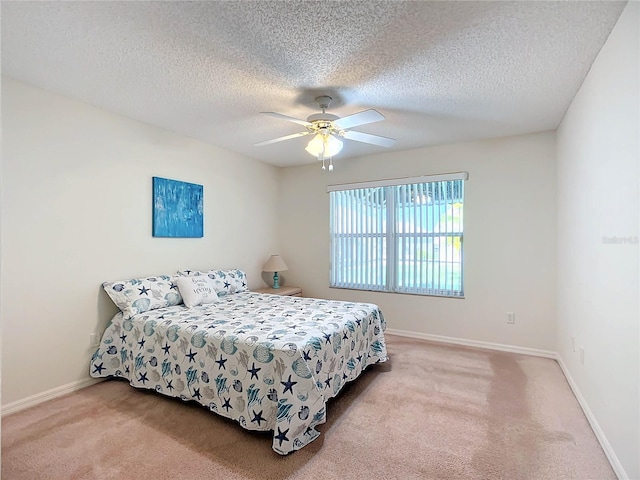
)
(275, 264)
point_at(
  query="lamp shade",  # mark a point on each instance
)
(275, 264)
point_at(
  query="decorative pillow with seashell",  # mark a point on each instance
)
(139, 295)
(226, 281)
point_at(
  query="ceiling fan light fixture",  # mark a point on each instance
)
(324, 145)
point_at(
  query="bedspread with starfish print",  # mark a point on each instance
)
(269, 362)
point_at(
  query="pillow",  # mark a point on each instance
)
(236, 281)
(226, 281)
(143, 294)
(197, 290)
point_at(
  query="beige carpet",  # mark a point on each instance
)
(431, 412)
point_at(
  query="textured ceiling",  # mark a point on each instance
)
(440, 72)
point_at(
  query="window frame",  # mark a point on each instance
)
(391, 237)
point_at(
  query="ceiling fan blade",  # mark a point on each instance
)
(288, 118)
(280, 139)
(357, 119)
(368, 138)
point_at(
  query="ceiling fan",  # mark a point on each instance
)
(328, 130)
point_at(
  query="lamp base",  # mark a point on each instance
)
(276, 283)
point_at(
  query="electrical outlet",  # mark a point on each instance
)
(511, 317)
(94, 340)
(582, 355)
(573, 344)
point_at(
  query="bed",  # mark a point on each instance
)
(269, 362)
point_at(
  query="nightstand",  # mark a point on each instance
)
(284, 290)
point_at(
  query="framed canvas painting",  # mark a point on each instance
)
(177, 209)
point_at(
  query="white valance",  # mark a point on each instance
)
(441, 177)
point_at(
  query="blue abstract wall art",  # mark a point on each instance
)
(177, 209)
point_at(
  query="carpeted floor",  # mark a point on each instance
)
(432, 412)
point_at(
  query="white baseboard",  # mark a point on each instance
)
(604, 443)
(38, 398)
(474, 343)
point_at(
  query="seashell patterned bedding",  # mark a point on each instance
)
(270, 362)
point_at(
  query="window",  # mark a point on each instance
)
(402, 235)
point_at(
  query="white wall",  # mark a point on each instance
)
(598, 287)
(76, 211)
(509, 242)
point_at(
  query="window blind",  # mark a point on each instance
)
(399, 237)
